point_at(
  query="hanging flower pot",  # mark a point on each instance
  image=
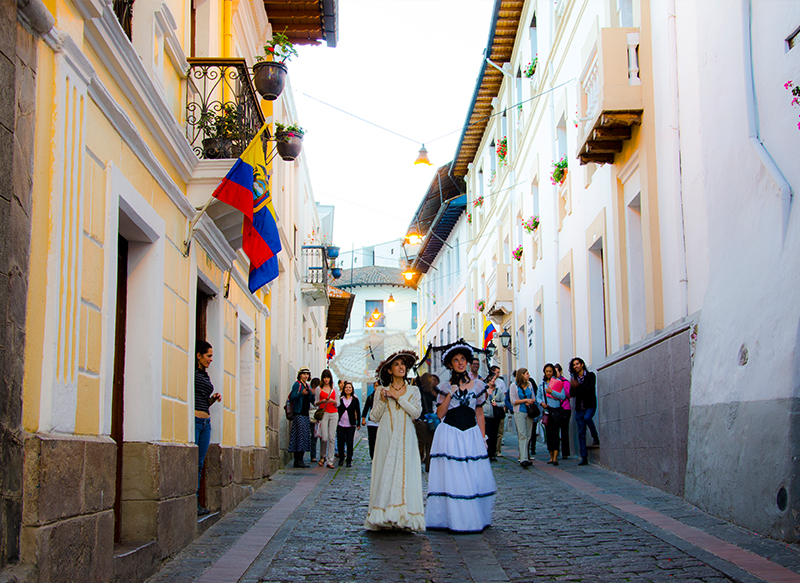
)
(336, 272)
(333, 252)
(269, 78)
(289, 145)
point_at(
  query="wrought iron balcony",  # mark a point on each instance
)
(223, 112)
(611, 95)
(314, 284)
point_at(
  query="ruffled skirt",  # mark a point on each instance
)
(461, 486)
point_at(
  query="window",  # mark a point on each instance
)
(414, 315)
(449, 332)
(597, 301)
(534, 38)
(793, 40)
(370, 307)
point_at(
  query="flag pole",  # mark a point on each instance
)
(190, 231)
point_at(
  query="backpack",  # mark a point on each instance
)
(288, 409)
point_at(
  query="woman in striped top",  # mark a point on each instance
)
(204, 397)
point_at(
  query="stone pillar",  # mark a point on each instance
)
(159, 502)
(68, 517)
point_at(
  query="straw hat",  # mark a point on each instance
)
(304, 369)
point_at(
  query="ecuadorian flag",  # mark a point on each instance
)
(488, 332)
(246, 188)
(330, 351)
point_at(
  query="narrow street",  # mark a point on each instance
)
(567, 523)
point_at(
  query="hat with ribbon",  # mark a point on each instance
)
(459, 347)
(383, 372)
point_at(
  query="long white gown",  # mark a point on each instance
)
(395, 494)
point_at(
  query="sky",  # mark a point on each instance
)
(409, 66)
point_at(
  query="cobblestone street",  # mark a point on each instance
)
(550, 524)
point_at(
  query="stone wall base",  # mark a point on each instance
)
(643, 410)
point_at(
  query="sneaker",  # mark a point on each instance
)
(349, 464)
(202, 511)
(583, 462)
(595, 443)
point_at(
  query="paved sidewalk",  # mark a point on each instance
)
(567, 523)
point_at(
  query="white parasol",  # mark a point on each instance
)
(356, 361)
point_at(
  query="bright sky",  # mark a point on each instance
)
(407, 65)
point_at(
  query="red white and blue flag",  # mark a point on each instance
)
(246, 188)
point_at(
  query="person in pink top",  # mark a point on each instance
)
(349, 420)
(564, 425)
(550, 395)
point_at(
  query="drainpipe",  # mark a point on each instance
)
(675, 125)
(227, 28)
(752, 119)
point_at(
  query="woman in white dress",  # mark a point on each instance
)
(461, 486)
(395, 494)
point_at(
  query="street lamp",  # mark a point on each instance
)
(505, 341)
(391, 299)
(491, 349)
(376, 314)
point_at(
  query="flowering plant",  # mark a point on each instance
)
(795, 90)
(559, 171)
(469, 218)
(502, 151)
(292, 129)
(480, 305)
(531, 224)
(531, 68)
(492, 176)
(278, 49)
(517, 254)
(478, 202)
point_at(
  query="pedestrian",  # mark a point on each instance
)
(349, 420)
(501, 395)
(372, 426)
(563, 428)
(427, 422)
(523, 398)
(461, 486)
(550, 395)
(204, 397)
(494, 412)
(584, 389)
(300, 398)
(395, 494)
(475, 368)
(314, 424)
(327, 429)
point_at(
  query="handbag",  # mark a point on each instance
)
(534, 411)
(557, 414)
(319, 413)
(288, 409)
(546, 417)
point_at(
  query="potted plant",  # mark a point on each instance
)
(269, 73)
(559, 173)
(333, 251)
(478, 202)
(502, 151)
(531, 68)
(517, 253)
(469, 218)
(219, 131)
(289, 140)
(795, 91)
(480, 305)
(530, 225)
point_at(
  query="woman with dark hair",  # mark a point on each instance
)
(584, 389)
(204, 397)
(300, 397)
(461, 487)
(563, 428)
(522, 397)
(326, 399)
(395, 494)
(550, 394)
(349, 420)
(313, 421)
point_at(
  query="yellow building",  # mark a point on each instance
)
(118, 296)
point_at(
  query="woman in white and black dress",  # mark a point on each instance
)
(461, 486)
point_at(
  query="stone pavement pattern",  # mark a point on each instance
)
(550, 524)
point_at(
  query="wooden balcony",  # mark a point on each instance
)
(611, 95)
(500, 288)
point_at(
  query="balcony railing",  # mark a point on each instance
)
(500, 288)
(611, 95)
(314, 278)
(222, 109)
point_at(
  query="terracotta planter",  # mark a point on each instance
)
(217, 148)
(269, 79)
(289, 145)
